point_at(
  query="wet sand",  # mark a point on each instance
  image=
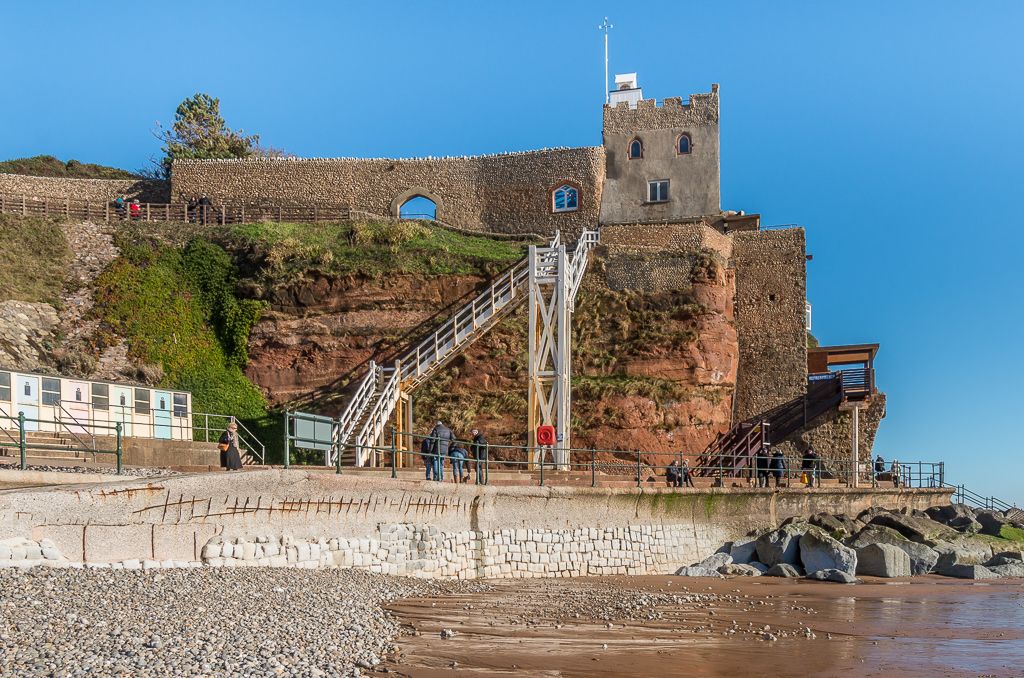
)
(928, 626)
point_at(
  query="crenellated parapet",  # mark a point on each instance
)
(701, 109)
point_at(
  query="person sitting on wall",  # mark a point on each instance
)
(135, 209)
(778, 466)
(120, 207)
(228, 444)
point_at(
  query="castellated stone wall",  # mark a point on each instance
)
(100, 190)
(771, 297)
(508, 193)
(694, 177)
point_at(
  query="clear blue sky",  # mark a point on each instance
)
(892, 131)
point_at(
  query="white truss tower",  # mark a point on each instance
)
(555, 277)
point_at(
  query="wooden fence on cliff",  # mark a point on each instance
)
(94, 210)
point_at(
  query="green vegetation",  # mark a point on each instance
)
(286, 252)
(812, 341)
(177, 308)
(49, 166)
(34, 256)
(1012, 533)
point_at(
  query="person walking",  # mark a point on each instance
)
(777, 466)
(673, 475)
(761, 466)
(458, 456)
(228, 444)
(809, 467)
(441, 438)
(478, 447)
(895, 472)
(684, 470)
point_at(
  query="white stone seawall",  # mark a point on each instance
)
(275, 518)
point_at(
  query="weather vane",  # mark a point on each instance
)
(605, 26)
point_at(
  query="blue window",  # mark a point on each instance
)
(565, 198)
(683, 146)
(636, 149)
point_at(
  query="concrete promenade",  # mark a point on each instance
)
(313, 519)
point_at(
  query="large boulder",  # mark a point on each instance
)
(759, 566)
(696, 571)
(963, 551)
(818, 551)
(966, 524)
(743, 550)
(783, 570)
(883, 560)
(992, 522)
(781, 545)
(714, 561)
(739, 570)
(946, 514)
(1005, 558)
(837, 576)
(922, 557)
(915, 528)
(1014, 568)
(967, 572)
(838, 526)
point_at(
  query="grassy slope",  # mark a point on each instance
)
(288, 251)
(49, 166)
(33, 258)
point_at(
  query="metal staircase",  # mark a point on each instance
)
(367, 414)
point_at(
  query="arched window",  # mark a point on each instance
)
(418, 207)
(565, 198)
(636, 149)
(683, 144)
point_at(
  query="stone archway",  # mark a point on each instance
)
(417, 192)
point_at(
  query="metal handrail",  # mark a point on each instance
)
(350, 417)
(78, 423)
(375, 423)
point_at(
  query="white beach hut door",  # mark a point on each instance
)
(27, 390)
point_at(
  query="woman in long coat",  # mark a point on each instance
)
(229, 457)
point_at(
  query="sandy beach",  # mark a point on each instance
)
(666, 625)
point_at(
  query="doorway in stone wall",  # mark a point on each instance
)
(418, 207)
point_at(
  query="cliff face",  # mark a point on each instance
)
(655, 366)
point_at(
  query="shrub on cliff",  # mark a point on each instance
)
(49, 166)
(177, 308)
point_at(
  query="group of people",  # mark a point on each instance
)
(199, 209)
(126, 209)
(895, 471)
(441, 443)
(678, 474)
(769, 466)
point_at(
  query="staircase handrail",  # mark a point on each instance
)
(578, 265)
(346, 423)
(250, 442)
(962, 495)
(379, 415)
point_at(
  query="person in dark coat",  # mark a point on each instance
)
(229, 456)
(879, 468)
(478, 447)
(673, 477)
(428, 460)
(777, 465)
(761, 466)
(441, 438)
(809, 465)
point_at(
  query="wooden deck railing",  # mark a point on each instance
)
(73, 208)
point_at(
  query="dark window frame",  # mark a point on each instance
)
(179, 410)
(144, 402)
(689, 143)
(100, 396)
(6, 394)
(46, 395)
(629, 149)
(559, 186)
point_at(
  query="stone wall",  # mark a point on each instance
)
(508, 193)
(311, 519)
(831, 435)
(100, 190)
(694, 177)
(771, 297)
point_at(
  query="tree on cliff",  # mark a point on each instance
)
(199, 132)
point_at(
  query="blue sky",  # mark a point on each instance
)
(891, 130)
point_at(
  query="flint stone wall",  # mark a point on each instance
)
(508, 193)
(310, 519)
(771, 318)
(100, 190)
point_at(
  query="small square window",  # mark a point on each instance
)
(142, 401)
(180, 405)
(657, 191)
(100, 396)
(51, 391)
(5, 386)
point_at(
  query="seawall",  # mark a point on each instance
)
(313, 519)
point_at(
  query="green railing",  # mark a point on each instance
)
(24, 445)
